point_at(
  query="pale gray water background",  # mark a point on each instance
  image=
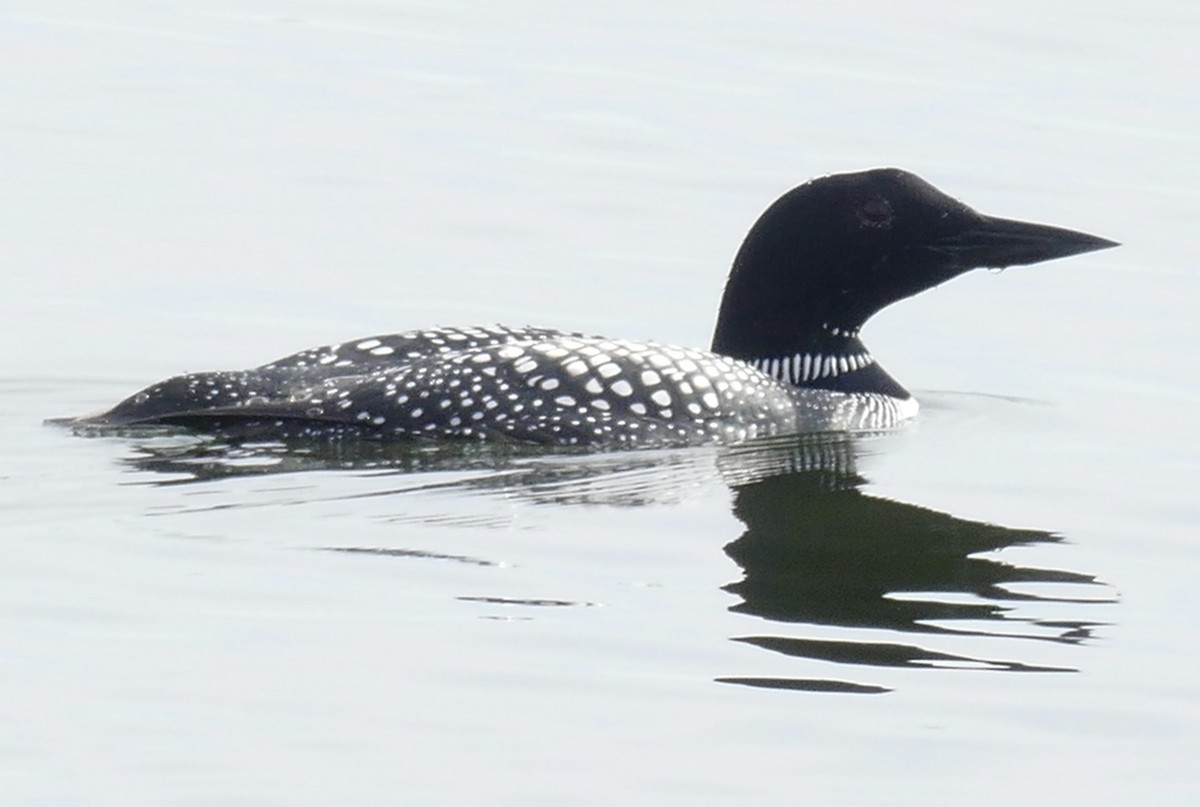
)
(190, 185)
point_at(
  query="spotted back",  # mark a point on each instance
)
(571, 390)
(528, 384)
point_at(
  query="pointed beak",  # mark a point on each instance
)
(996, 243)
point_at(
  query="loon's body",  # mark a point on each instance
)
(529, 384)
(785, 358)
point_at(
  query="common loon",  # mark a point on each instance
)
(786, 355)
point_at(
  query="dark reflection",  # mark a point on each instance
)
(818, 555)
(182, 457)
(817, 550)
(410, 553)
(555, 476)
(536, 603)
(806, 685)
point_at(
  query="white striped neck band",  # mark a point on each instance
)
(803, 367)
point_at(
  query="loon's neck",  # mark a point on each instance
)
(828, 358)
(793, 305)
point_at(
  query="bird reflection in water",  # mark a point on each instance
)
(819, 551)
(816, 551)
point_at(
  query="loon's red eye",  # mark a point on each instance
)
(876, 212)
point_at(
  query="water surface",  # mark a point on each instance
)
(994, 604)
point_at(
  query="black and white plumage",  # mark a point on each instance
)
(785, 358)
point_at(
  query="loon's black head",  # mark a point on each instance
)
(829, 254)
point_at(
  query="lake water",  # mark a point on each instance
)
(994, 605)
